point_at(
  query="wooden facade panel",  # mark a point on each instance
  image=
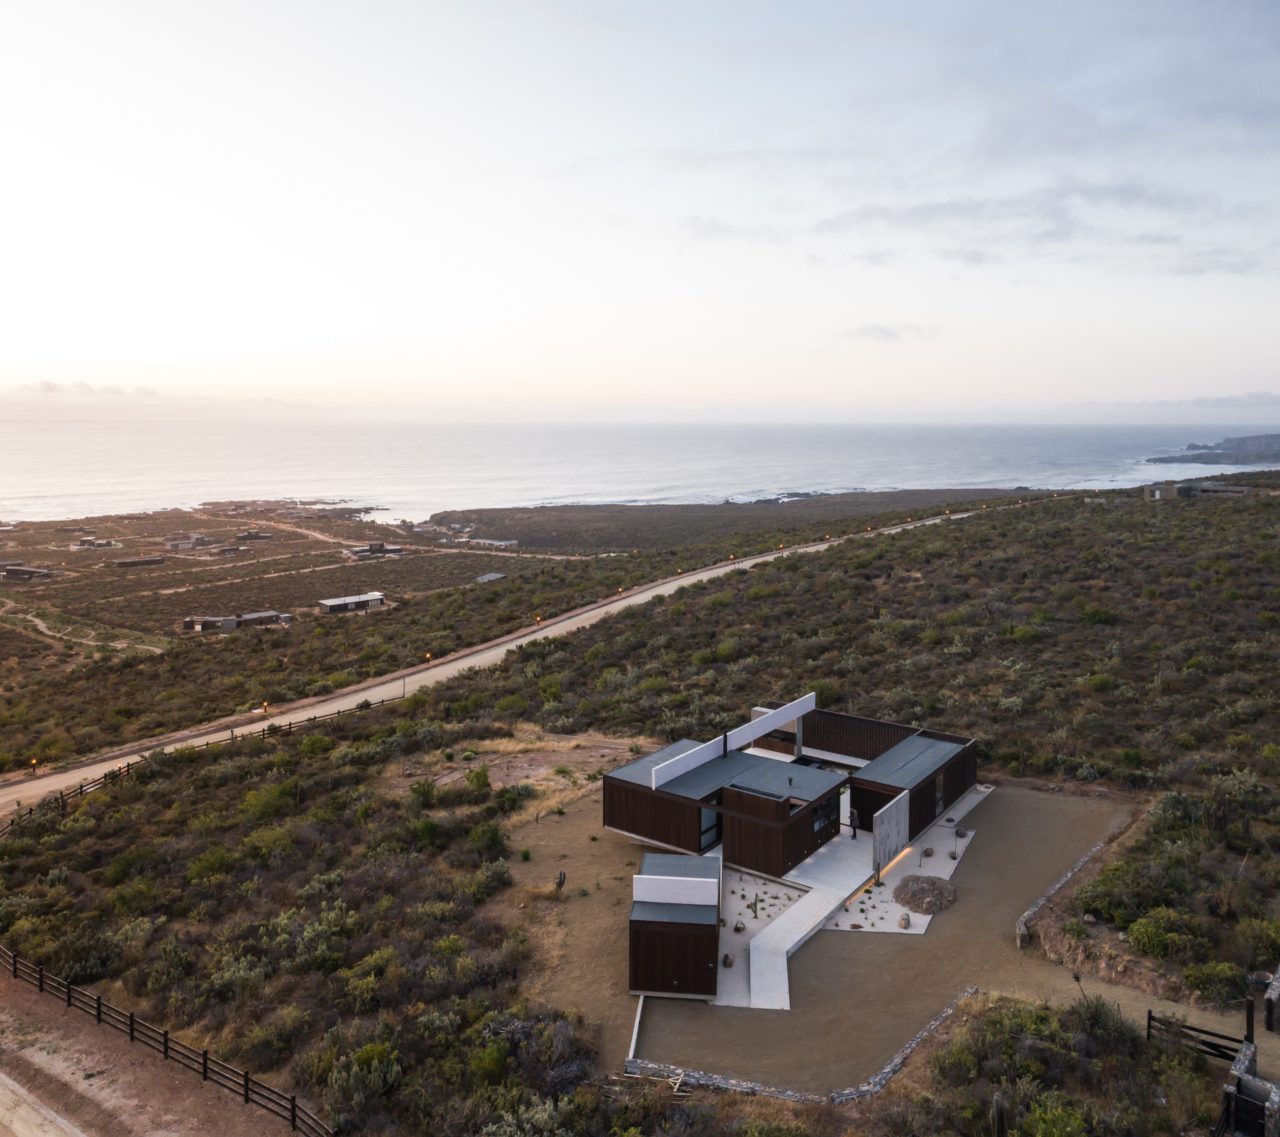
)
(763, 835)
(867, 802)
(851, 736)
(661, 818)
(678, 959)
(961, 775)
(748, 843)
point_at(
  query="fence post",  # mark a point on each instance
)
(1148, 1024)
(130, 1026)
(293, 1111)
(97, 1008)
(246, 1087)
(15, 965)
(1248, 1019)
(204, 1065)
(40, 978)
(68, 994)
(165, 1049)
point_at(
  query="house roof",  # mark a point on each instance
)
(674, 913)
(911, 762)
(639, 770)
(354, 599)
(775, 777)
(489, 577)
(677, 864)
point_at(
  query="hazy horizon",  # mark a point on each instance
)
(572, 211)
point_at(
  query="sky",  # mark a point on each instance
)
(662, 211)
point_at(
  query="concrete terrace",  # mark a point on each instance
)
(831, 890)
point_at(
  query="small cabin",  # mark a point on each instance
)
(675, 926)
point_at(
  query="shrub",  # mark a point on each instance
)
(1218, 982)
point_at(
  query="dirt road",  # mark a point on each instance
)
(27, 790)
(22, 1116)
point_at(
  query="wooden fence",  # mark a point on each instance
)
(239, 1082)
(1208, 1042)
(58, 801)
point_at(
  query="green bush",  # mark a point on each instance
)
(1217, 982)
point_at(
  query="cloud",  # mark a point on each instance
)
(1231, 262)
(715, 229)
(892, 333)
(1056, 212)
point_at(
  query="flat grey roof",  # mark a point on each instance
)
(911, 762)
(674, 913)
(675, 864)
(777, 777)
(638, 771)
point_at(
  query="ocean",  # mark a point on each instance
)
(398, 469)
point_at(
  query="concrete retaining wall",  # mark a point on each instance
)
(873, 1085)
(1022, 929)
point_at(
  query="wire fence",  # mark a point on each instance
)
(58, 801)
(239, 1082)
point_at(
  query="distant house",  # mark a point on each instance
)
(490, 577)
(675, 926)
(225, 624)
(373, 549)
(139, 562)
(229, 550)
(26, 572)
(96, 543)
(361, 603)
(491, 543)
(253, 535)
(1168, 491)
(183, 541)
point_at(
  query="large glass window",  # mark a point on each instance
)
(710, 829)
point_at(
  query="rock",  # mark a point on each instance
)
(855, 927)
(904, 921)
(925, 895)
(727, 961)
(1089, 918)
(1124, 937)
(739, 926)
(1121, 968)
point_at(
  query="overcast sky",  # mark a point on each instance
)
(571, 209)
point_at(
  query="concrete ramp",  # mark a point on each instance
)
(767, 955)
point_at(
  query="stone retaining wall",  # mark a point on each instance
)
(1022, 929)
(873, 1085)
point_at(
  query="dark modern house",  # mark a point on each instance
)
(225, 624)
(774, 790)
(675, 926)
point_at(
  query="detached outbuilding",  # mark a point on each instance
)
(361, 603)
(675, 926)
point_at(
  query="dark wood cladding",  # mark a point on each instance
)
(868, 802)
(958, 776)
(663, 818)
(748, 843)
(763, 835)
(851, 736)
(675, 959)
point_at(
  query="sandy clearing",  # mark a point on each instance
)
(21, 1115)
(91, 1078)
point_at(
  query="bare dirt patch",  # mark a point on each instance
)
(558, 766)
